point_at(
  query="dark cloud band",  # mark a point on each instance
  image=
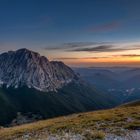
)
(93, 47)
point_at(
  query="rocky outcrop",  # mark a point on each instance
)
(27, 68)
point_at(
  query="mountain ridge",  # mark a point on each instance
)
(25, 67)
(31, 85)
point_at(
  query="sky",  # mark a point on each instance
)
(78, 32)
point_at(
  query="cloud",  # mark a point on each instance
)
(105, 27)
(110, 56)
(94, 47)
(106, 48)
(127, 55)
(71, 45)
(78, 58)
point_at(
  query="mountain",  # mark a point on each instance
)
(101, 78)
(28, 68)
(132, 78)
(121, 83)
(34, 87)
(130, 73)
(132, 104)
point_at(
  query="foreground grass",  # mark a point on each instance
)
(98, 122)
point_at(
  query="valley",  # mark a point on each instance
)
(120, 82)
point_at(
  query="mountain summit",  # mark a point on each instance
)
(27, 82)
(27, 68)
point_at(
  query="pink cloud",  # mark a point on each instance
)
(105, 27)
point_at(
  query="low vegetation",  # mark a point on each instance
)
(91, 125)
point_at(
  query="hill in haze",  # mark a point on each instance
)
(120, 82)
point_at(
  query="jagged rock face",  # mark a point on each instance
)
(26, 68)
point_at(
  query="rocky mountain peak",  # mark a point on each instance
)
(27, 68)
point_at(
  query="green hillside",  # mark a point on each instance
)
(71, 99)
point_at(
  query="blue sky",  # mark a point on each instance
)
(42, 24)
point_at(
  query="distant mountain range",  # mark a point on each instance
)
(31, 85)
(121, 82)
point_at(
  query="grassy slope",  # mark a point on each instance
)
(133, 103)
(106, 120)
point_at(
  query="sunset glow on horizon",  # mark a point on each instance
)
(125, 54)
(111, 61)
(77, 32)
